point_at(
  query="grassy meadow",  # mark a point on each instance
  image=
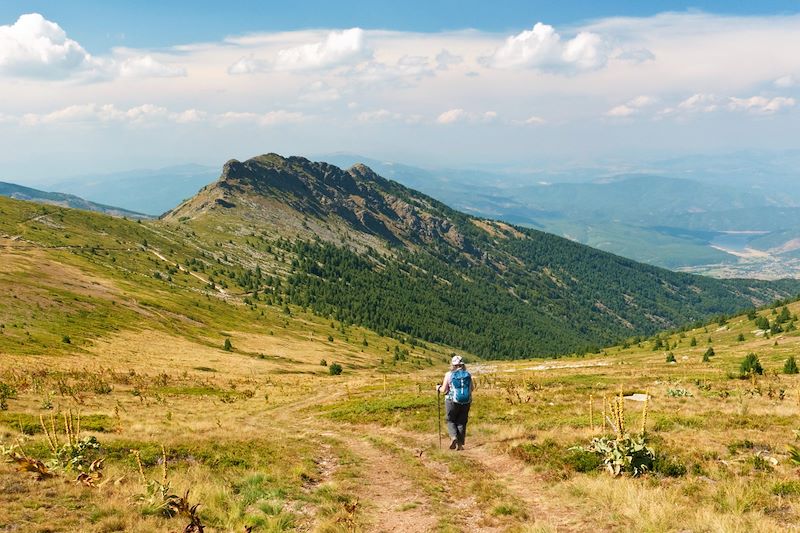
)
(138, 395)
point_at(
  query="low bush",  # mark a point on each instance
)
(750, 365)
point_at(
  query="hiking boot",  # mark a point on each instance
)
(454, 444)
(460, 447)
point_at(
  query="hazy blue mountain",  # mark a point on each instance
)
(675, 213)
(20, 192)
(652, 216)
(151, 191)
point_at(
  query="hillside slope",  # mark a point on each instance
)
(21, 192)
(370, 251)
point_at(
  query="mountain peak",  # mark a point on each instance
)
(362, 171)
(316, 195)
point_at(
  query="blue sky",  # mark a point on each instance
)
(100, 25)
(98, 86)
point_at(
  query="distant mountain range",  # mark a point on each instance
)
(19, 192)
(368, 250)
(734, 216)
(150, 191)
(679, 223)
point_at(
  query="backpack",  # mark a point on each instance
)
(461, 386)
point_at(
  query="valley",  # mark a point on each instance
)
(259, 360)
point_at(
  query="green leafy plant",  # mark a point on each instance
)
(335, 369)
(794, 454)
(74, 455)
(679, 393)
(627, 454)
(670, 357)
(790, 366)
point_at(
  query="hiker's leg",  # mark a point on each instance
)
(463, 416)
(450, 418)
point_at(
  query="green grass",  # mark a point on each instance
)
(30, 424)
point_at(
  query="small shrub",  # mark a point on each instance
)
(323, 362)
(740, 338)
(65, 339)
(7, 392)
(583, 461)
(786, 488)
(553, 456)
(762, 464)
(738, 445)
(670, 357)
(790, 366)
(335, 369)
(750, 365)
(710, 352)
(228, 347)
(668, 467)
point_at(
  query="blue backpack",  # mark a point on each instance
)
(461, 386)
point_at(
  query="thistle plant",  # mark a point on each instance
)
(75, 454)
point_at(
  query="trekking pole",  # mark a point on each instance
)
(439, 415)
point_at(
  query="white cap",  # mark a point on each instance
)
(456, 360)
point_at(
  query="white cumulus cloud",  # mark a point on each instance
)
(34, 47)
(632, 107)
(106, 113)
(147, 66)
(452, 116)
(700, 103)
(379, 115)
(786, 82)
(534, 120)
(761, 104)
(338, 48)
(445, 59)
(248, 65)
(543, 49)
(37, 48)
(270, 118)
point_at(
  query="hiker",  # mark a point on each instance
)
(457, 387)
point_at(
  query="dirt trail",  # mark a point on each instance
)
(190, 272)
(517, 479)
(394, 502)
(391, 501)
(524, 485)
